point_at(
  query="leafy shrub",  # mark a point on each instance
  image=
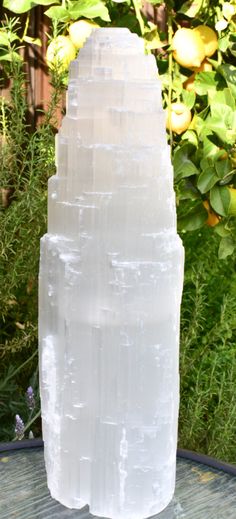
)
(207, 420)
(27, 161)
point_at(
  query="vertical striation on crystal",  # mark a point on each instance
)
(111, 276)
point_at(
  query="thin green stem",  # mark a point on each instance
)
(26, 27)
(170, 65)
(139, 16)
(17, 370)
(3, 119)
(219, 57)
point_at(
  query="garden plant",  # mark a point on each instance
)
(194, 44)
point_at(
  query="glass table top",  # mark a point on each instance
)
(201, 492)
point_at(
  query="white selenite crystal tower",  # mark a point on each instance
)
(111, 276)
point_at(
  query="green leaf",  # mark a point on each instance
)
(186, 190)
(183, 165)
(223, 168)
(207, 179)
(155, 2)
(220, 113)
(203, 114)
(152, 38)
(209, 148)
(220, 199)
(18, 6)
(223, 122)
(4, 39)
(7, 37)
(224, 97)
(33, 41)
(191, 8)
(58, 13)
(229, 74)
(207, 81)
(46, 2)
(191, 137)
(89, 9)
(189, 98)
(226, 247)
(194, 219)
(9, 56)
(233, 49)
(226, 136)
(206, 162)
(223, 43)
(128, 20)
(214, 139)
(221, 230)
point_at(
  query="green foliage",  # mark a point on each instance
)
(27, 160)
(18, 6)
(206, 159)
(208, 334)
(86, 8)
(67, 11)
(22, 6)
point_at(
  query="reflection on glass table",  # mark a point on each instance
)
(202, 492)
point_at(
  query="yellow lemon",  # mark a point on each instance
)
(189, 83)
(232, 204)
(80, 31)
(188, 48)
(178, 118)
(209, 38)
(204, 67)
(212, 219)
(60, 53)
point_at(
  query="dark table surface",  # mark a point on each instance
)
(201, 492)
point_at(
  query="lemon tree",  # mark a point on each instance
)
(203, 155)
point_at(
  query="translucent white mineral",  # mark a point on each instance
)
(111, 276)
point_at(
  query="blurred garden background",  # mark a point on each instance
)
(194, 43)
